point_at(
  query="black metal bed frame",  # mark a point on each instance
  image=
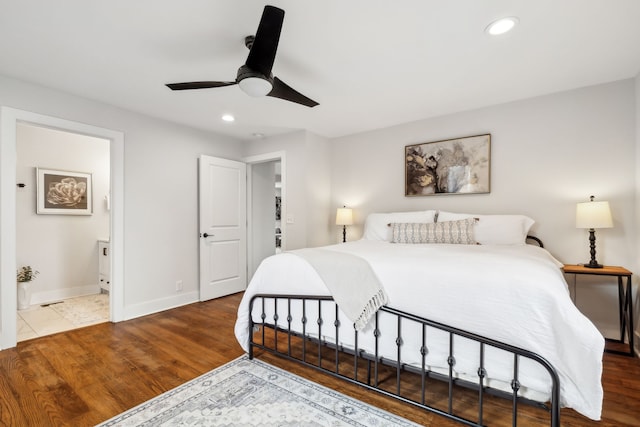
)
(314, 357)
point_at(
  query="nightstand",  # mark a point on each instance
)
(625, 299)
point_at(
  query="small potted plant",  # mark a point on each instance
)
(24, 277)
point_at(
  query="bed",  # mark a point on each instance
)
(476, 305)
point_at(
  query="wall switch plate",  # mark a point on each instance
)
(178, 285)
(290, 219)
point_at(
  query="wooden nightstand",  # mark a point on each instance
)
(625, 299)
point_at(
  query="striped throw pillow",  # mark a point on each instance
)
(453, 232)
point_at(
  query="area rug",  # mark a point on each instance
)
(253, 393)
(85, 310)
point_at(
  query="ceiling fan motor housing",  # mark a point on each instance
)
(248, 41)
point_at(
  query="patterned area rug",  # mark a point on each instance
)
(253, 393)
(85, 310)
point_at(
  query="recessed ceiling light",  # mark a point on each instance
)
(228, 118)
(501, 25)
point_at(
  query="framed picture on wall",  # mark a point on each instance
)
(452, 166)
(63, 192)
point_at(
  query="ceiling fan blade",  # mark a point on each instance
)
(284, 91)
(197, 85)
(263, 51)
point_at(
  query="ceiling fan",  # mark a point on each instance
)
(255, 77)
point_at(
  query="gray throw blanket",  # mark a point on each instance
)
(350, 280)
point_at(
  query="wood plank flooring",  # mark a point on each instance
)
(85, 376)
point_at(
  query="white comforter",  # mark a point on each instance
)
(513, 294)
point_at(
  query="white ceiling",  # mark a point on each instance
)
(369, 63)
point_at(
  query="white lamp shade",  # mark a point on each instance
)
(344, 216)
(593, 215)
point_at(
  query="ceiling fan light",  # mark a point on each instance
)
(255, 86)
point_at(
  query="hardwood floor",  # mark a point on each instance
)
(85, 376)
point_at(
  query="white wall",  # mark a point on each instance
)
(321, 225)
(636, 301)
(160, 200)
(63, 248)
(308, 176)
(547, 154)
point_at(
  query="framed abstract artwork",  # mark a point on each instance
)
(63, 192)
(451, 166)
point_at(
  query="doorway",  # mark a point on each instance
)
(241, 204)
(67, 173)
(266, 177)
(9, 119)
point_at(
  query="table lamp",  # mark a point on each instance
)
(344, 217)
(593, 215)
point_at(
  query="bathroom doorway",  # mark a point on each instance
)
(9, 120)
(62, 227)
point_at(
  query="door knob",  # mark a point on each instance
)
(207, 235)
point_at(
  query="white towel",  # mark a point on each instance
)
(350, 280)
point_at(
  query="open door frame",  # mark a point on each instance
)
(9, 118)
(252, 264)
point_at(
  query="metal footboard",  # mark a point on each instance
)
(322, 351)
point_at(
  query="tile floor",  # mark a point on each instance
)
(37, 321)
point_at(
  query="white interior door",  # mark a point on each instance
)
(223, 227)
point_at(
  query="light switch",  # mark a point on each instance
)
(290, 219)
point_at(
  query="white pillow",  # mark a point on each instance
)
(495, 229)
(376, 226)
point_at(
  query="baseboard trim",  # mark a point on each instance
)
(47, 297)
(151, 307)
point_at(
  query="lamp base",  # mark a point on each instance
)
(592, 245)
(592, 264)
